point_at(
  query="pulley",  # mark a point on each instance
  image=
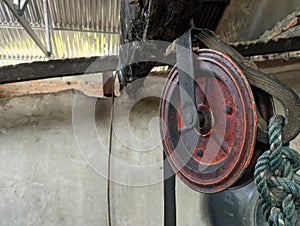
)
(212, 146)
(214, 124)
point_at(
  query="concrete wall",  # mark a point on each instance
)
(247, 20)
(53, 161)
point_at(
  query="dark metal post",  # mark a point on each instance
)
(169, 196)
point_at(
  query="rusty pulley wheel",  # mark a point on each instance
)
(222, 156)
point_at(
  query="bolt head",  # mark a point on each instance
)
(189, 119)
(227, 109)
(199, 153)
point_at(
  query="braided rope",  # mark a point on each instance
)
(279, 193)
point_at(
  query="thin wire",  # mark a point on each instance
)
(109, 154)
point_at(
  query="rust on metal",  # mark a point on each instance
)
(227, 113)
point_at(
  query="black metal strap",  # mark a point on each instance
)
(185, 67)
(169, 195)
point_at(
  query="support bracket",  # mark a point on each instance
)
(185, 64)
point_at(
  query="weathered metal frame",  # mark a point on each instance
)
(19, 14)
(57, 68)
(258, 47)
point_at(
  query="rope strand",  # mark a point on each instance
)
(279, 192)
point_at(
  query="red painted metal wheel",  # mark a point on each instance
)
(226, 139)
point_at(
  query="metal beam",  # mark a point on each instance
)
(78, 66)
(57, 68)
(47, 27)
(39, 27)
(258, 47)
(21, 19)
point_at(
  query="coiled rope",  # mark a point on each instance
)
(279, 193)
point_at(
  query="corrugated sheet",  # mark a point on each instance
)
(16, 43)
(88, 15)
(80, 28)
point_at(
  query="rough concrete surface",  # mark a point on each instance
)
(52, 174)
(44, 180)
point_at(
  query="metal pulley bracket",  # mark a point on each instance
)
(209, 119)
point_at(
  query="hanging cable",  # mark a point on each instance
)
(109, 154)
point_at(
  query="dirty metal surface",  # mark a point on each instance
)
(261, 47)
(160, 20)
(57, 68)
(265, 110)
(221, 151)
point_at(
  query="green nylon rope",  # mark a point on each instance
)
(279, 193)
